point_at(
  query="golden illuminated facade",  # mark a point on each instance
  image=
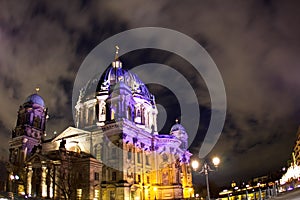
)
(115, 151)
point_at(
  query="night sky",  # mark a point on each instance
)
(255, 44)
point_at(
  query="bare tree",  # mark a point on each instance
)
(64, 175)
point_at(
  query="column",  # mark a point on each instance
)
(156, 163)
(49, 182)
(43, 181)
(29, 179)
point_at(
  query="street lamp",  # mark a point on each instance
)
(205, 168)
(13, 180)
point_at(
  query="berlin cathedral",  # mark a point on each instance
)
(114, 152)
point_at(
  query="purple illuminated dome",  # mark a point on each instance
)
(117, 94)
(35, 99)
(178, 127)
(113, 75)
(179, 131)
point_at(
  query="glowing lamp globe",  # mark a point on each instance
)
(216, 161)
(195, 164)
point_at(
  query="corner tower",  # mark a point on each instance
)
(30, 127)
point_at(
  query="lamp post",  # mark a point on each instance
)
(13, 180)
(206, 169)
(247, 186)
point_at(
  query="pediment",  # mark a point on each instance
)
(70, 132)
(37, 158)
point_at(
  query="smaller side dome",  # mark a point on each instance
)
(36, 99)
(179, 132)
(177, 127)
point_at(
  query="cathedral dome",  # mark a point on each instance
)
(113, 75)
(116, 94)
(36, 99)
(109, 78)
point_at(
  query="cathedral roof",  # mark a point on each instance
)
(36, 99)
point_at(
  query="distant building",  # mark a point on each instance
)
(296, 149)
(115, 151)
(292, 173)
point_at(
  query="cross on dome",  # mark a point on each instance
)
(117, 63)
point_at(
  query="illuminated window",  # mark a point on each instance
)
(97, 194)
(147, 160)
(79, 194)
(112, 114)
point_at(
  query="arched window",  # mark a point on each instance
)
(143, 116)
(138, 112)
(103, 110)
(28, 120)
(102, 113)
(137, 115)
(91, 116)
(128, 113)
(37, 122)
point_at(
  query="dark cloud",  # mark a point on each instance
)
(255, 44)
